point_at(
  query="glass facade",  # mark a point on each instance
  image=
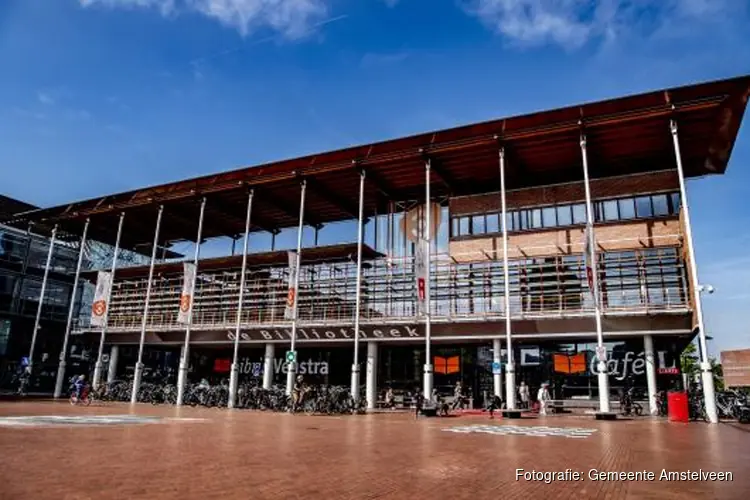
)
(534, 219)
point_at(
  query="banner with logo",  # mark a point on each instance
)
(101, 298)
(188, 292)
(413, 222)
(421, 274)
(290, 312)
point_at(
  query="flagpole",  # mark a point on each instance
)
(590, 252)
(144, 320)
(185, 357)
(63, 352)
(428, 368)
(233, 374)
(358, 293)
(292, 366)
(100, 352)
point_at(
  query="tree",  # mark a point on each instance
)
(689, 361)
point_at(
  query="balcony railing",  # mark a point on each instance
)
(639, 281)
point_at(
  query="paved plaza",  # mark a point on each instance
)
(56, 451)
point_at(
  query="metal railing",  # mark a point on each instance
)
(638, 281)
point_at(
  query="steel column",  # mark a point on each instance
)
(602, 374)
(185, 358)
(144, 320)
(648, 351)
(40, 304)
(114, 355)
(371, 382)
(64, 351)
(709, 391)
(510, 367)
(497, 378)
(293, 366)
(268, 366)
(238, 323)
(100, 352)
(358, 294)
(427, 388)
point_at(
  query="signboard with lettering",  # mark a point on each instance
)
(736, 367)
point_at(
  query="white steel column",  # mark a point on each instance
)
(114, 355)
(182, 371)
(268, 366)
(497, 378)
(100, 352)
(648, 352)
(709, 392)
(510, 367)
(293, 366)
(602, 374)
(240, 299)
(428, 312)
(358, 297)
(371, 385)
(41, 297)
(144, 320)
(64, 351)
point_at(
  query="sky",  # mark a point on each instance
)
(103, 96)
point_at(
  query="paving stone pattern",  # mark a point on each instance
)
(255, 455)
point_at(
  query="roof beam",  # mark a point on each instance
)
(324, 192)
(445, 177)
(281, 206)
(219, 205)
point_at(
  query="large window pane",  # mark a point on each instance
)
(609, 209)
(661, 206)
(463, 226)
(627, 208)
(536, 218)
(477, 224)
(454, 227)
(549, 217)
(643, 207)
(521, 221)
(564, 215)
(493, 225)
(579, 214)
(675, 203)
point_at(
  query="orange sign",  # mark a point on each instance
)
(446, 366)
(290, 297)
(185, 303)
(99, 307)
(575, 363)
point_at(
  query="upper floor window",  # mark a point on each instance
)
(639, 207)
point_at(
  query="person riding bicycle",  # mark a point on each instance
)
(79, 385)
(298, 392)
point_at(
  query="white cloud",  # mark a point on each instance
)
(572, 23)
(45, 98)
(391, 3)
(292, 18)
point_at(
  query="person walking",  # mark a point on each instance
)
(523, 392)
(543, 397)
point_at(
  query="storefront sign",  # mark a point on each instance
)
(247, 366)
(391, 332)
(633, 364)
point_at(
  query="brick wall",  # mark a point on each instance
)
(567, 193)
(609, 236)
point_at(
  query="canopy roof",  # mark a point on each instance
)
(624, 136)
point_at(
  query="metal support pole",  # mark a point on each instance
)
(648, 352)
(497, 378)
(100, 352)
(602, 374)
(41, 297)
(371, 382)
(63, 352)
(358, 294)
(510, 367)
(182, 371)
(709, 391)
(293, 366)
(268, 366)
(428, 312)
(144, 320)
(240, 299)
(273, 241)
(114, 356)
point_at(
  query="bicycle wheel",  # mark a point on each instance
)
(637, 409)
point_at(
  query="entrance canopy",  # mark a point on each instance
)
(624, 136)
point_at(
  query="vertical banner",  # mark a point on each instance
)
(101, 299)
(290, 312)
(188, 291)
(421, 274)
(590, 256)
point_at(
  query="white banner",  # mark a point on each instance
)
(101, 298)
(421, 273)
(188, 291)
(290, 312)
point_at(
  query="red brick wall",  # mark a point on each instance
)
(567, 193)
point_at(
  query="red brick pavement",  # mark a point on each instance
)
(251, 455)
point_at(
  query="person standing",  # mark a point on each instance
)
(543, 397)
(523, 392)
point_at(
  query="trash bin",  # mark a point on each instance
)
(677, 407)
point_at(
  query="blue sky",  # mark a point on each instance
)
(101, 96)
